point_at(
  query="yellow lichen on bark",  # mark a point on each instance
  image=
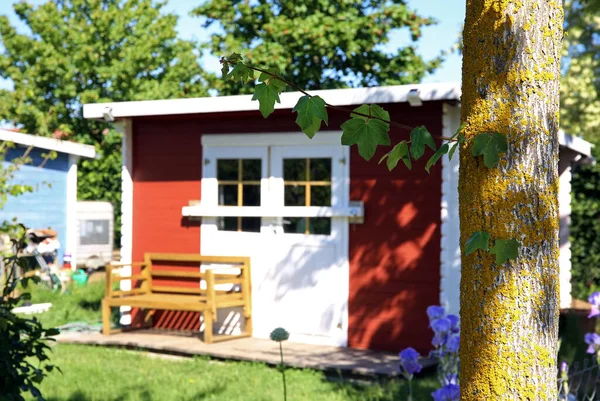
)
(509, 313)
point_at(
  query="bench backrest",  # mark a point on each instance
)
(233, 273)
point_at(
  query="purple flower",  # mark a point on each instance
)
(593, 340)
(442, 325)
(409, 361)
(450, 392)
(438, 339)
(435, 312)
(455, 323)
(453, 343)
(594, 299)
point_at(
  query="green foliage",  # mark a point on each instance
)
(321, 44)
(241, 73)
(267, 94)
(505, 250)
(398, 152)
(367, 130)
(419, 137)
(8, 168)
(436, 156)
(82, 51)
(580, 83)
(311, 111)
(580, 115)
(585, 229)
(477, 240)
(490, 146)
(23, 340)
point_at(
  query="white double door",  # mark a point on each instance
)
(299, 258)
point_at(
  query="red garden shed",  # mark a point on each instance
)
(343, 252)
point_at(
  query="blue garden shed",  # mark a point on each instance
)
(52, 204)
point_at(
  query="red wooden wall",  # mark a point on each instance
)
(394, 256)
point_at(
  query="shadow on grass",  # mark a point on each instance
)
(90, 305)
(142, 395)
(383, 389)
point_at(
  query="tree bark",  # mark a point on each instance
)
(509, 313)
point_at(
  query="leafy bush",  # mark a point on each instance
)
(585, 229)
(23, 340)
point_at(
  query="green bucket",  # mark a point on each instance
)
(80, 278)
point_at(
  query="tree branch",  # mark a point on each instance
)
(339, 108)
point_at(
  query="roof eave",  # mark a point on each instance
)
(223, 104)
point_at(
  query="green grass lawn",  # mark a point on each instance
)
(76, 304)
(108, 374)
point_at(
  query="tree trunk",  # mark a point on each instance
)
(510, 312)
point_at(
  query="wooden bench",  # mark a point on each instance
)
(150, 296)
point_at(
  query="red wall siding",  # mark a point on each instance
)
(167, 170)
(394, 256)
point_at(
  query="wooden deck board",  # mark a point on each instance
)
(318, 357)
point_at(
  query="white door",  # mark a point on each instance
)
(299, 257)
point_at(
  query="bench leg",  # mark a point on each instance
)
(248, 326)
(105, 317)
(208, 326)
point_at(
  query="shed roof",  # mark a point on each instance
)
(72, 148)
(449, 91)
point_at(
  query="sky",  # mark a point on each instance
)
(448, 13)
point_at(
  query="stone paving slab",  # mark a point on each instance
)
(319, 357)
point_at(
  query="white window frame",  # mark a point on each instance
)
(253, 146)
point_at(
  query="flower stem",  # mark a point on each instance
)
(409, 390)
(283, 372)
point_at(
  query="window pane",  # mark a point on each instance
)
(251, 169)
(227, 169)
(294, 170)
(320, 169)
(295, 195)
(251, 195)
(294, 225)
(93, 232)
(251, 224)
(320, 195)
(320, 225)
(228, 195)
(227, 223)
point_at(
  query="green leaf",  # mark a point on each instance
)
(477, 240)
(372, 110)
(266, 95)
(452, 150)
(311, 111)
(436, 156)
(419, 137)
(490, 146)
(505, 250)
(366, 134)
(225, 70)
(399, 152)
(241, 73)
(235, 58)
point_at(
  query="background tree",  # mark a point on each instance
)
(319, 44)
(580, 115)
(90, 51)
